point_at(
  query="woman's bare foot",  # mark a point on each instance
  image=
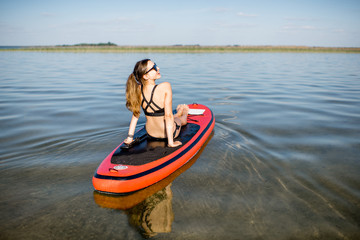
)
(180, 109)
(186, 109)
(182, 113)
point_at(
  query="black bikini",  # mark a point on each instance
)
(160, 112)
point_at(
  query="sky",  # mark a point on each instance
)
(327, 23)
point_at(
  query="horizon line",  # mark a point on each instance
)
(109, 44)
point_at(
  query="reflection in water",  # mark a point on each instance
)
(154, 215)
(149, 210)
(283, 164)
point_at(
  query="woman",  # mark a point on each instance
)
(156, 101)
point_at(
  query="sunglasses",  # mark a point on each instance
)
(154, 67)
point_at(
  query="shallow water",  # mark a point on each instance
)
(283, 162)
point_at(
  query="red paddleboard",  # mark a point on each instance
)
(129, 169)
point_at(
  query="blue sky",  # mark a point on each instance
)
(206, 22)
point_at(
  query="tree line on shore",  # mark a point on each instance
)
(108, 44)
(112, 47)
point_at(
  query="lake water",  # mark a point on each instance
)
(283, 162)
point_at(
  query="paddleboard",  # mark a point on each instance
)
(131, 168)
(127, 201)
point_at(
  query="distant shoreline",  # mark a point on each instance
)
(181, 49)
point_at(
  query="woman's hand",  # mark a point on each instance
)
(128, 140)
(175, 144)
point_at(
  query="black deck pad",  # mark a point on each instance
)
(150, 150)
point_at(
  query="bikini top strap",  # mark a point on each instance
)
(148, 103)
(152, 94)
(151, 99)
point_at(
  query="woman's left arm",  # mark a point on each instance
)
(169, 117)
(132, 127)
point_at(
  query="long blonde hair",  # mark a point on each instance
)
(133, 91)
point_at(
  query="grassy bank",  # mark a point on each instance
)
(185, 49)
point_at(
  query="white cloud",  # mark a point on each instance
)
(113, 21)
(297, 27)
(308, 27)
(300, 19)
(241, 14)
(230, 26)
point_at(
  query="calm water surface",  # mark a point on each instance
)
(283, 162)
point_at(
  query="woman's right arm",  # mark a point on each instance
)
(169, 117)
(132, 127)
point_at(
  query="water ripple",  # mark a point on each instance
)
(283, 162)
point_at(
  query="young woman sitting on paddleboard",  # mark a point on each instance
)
(156, 102)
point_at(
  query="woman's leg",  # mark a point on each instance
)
(182, 114)
(180, 118)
